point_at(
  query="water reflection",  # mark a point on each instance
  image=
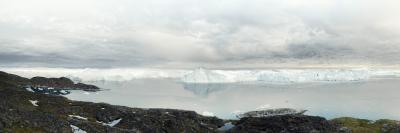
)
(371, 100)
(204, 90)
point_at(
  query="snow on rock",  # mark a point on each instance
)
(34, 102)
(64, 92)
(76, 129)
(78, 117)
(112, 123)
(29, 89)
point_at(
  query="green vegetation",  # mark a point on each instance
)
(367, 126)
(24, 130)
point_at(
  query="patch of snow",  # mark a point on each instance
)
(34, 102)
(79, 117)
(112, 123)
(63, 92)
(76, 129)
(86, 93)
(29, 89)
(206, 113)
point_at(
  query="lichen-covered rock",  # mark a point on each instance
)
(283, 124)
(62, 83)
(53, 82)
(272, 112)
(353, 125)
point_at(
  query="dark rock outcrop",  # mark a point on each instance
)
(10, 80)
(61, 83)
(283, 124)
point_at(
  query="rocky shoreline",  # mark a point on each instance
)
(34, 111)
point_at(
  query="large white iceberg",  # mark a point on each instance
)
(319, 75)
(202, 75)
(277, 76)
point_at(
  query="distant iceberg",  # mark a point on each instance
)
(318, 75)
(203, 75)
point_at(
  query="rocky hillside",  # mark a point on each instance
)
(24, 111)
(54, 83)
(61, 83)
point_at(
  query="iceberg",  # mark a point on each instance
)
(203, 75)
(319, 75)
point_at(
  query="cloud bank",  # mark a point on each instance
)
(223, 33)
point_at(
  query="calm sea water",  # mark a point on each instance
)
(374, 99)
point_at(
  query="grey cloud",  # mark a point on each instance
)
(123, 33)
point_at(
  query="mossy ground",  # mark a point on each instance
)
(367, 126)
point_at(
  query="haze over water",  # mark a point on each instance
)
(374, 99)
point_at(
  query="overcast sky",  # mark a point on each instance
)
(191, 33)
